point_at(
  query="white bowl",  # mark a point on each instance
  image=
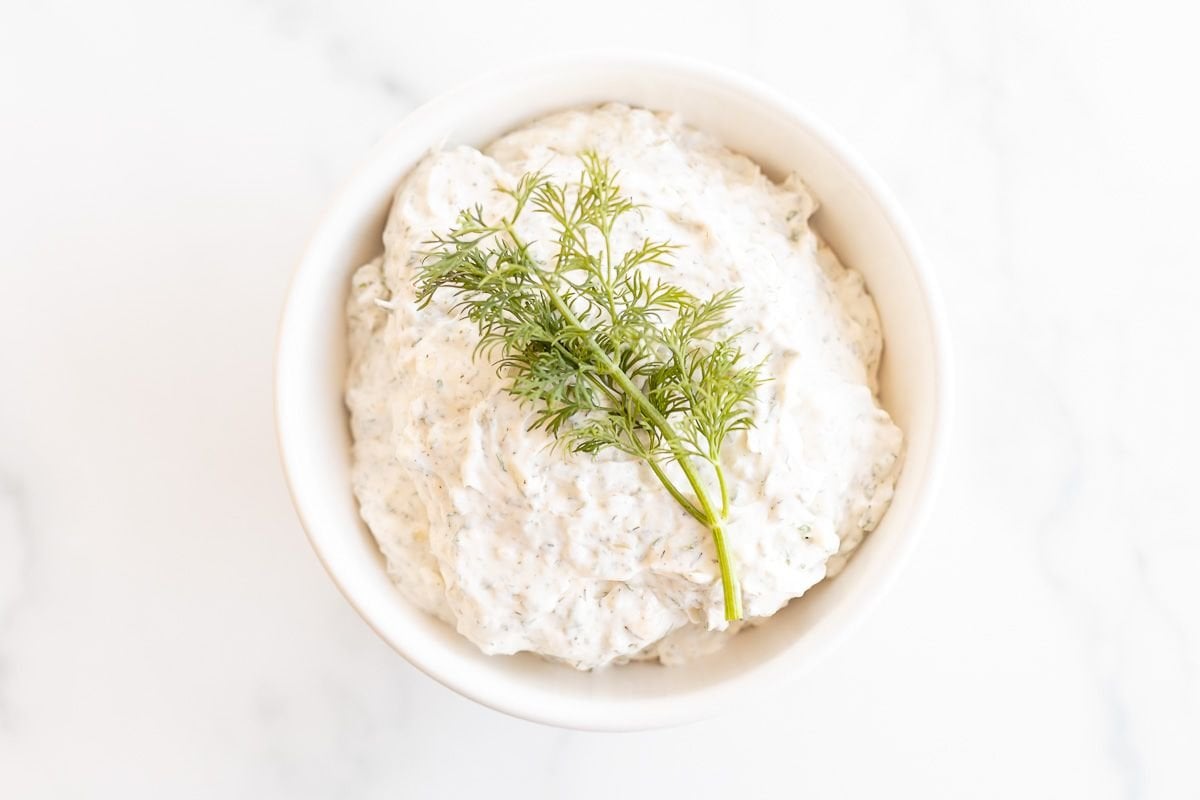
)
(859, 219)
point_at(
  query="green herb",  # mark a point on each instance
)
(609, 357)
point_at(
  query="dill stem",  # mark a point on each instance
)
(669, 485)
(729, 582)
(724, 489)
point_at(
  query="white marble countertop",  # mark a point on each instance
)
(165, 630)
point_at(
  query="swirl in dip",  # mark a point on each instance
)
(587, 560)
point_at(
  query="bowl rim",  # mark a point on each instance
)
(640, 713)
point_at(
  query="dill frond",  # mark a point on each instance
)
(606, 356)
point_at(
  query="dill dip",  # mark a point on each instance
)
(585, 559)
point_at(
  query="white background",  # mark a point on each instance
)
(165, 630)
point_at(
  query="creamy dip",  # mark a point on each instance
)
(588, 560)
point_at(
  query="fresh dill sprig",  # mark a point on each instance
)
(607, 356)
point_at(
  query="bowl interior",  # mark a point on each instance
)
(857, 221)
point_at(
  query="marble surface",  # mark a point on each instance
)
(165, 630)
